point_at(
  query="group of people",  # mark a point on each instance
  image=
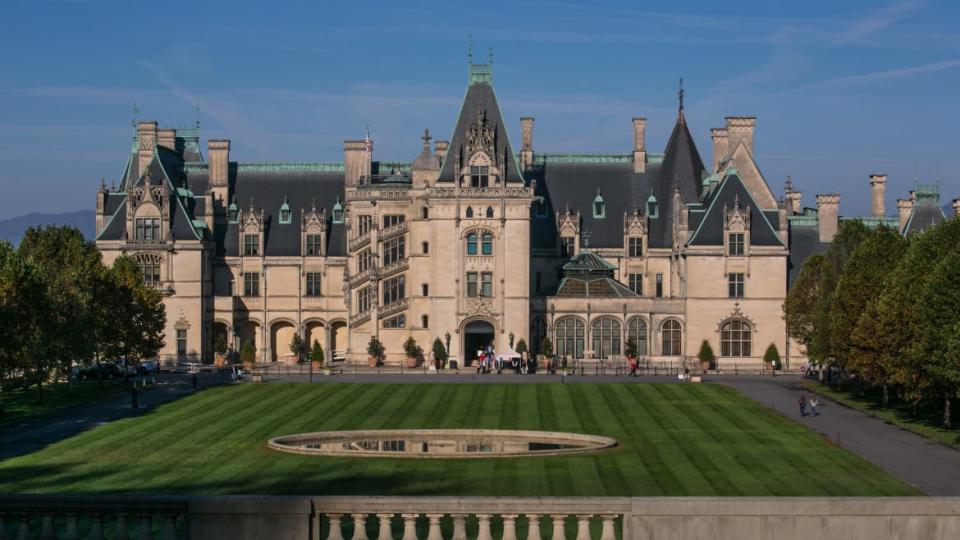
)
(812, 403)
(488, 361)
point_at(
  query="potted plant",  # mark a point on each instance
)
(248, 356)
(298, 347)
(375, 352)
(706, 356)
(439, 354)
(220, 348)
(772, 357)
(316, 356)
(413, 352)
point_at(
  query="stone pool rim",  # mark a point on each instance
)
(592, 443)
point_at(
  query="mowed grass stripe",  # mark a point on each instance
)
(671, 440)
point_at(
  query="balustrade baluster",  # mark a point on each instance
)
(46, 527)
(24, 531)
(484, 522)
(583, 527)
(169, 527)
(410, 526)
(434, 532)
(384, 533)
(145, 524)
(359, 527)
(96, 527)
(558, 532)
(608, 532)
(459, 527)
(533, 527)
(509, 526)
(71, 528)
(120, 527)
(336, 528)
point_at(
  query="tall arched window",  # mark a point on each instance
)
(472, 244)
(537, 333)
(469, 211)
(671, 334)
(489, 211)
(486, 247)
(605, 334)
(637, 331)
(570, 336)
(735, 338)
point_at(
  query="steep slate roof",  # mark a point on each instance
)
(709, 231)
(574, 186)
(480, 98)
(926, 211)
(269, 190)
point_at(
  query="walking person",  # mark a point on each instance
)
(813, 406)
(803, 405)
(633, 367)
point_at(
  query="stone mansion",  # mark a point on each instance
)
(474, 240)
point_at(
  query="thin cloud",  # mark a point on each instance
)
(862, 78)
(877, 21)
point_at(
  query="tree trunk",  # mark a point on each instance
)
(886, 395)
(946, 411)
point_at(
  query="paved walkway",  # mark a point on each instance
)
(34, 433)
(930, 466)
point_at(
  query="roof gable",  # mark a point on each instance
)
(732, 191)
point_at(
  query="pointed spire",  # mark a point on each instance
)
(788, 186)
(680, 94)
(470, 49)
(426, 140)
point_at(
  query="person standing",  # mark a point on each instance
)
(803, 405)
(813, 406)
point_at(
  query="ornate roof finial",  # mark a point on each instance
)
(680, 94)
(426, 140)
(251, 204)
(136, 111)
(470, 49)
(788, 186)
(585, 238)
(197, 121)
(313, 204)
(490, 56)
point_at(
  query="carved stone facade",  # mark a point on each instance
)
(473, 241)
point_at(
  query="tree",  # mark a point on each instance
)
(706, 356)
(411, 349)
(522, 346)
(631, 348)
(24, 310)
(439, 352)
(546, 347)
(248, 355)
(316, 353)
(803, 303)
(772, 356)
(298, 347)
(220, 344)
(139, 313)
(937, 349)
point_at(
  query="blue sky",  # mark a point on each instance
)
(840, 89)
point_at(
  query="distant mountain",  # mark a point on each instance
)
(12, 229)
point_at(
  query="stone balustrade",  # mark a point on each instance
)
(393, 230)
(393, 268)
(360, 241)
(477, 518)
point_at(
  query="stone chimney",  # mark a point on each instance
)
(793, 202)
(526, 146)
(440, 147)
(904, 208)
(828, 215)
(357, 157)
(167, 138)
(101, 204)
(720, 146)
(218, 168)
(956, 207)
(639, 145)
(740, 129)
(878, 186)
(147, 135)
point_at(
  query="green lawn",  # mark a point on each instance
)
(23, 403)
(673, 440)
(927, 422)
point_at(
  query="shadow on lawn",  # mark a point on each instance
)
(37, 432)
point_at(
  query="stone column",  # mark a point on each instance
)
(459, 527)
(583, 527)
(434, 533)
(533, 527)
(878, 186)
(608, 532)
(484, 522)
(410, 526)
(558, 532)
(359, 527)
(336, 529)
(509, 526)
(384, 533)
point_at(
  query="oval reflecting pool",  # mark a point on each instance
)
(439, 443)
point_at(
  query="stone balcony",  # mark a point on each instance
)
(393, 308)
(393, 268)
(359, 318)
(361, 277)
(506, 192)
(359, 242)
(393, 230)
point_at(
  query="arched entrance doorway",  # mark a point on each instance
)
(477, 334)
(281, 336)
